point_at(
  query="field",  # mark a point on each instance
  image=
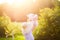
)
(15, 38)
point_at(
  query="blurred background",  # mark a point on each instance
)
(13, 12)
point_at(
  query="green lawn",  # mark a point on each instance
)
(16, 38)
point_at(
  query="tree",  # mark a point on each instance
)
(49, 25)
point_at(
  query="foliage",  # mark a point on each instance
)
(49, 24)
(4, 21)
(7, 27)
(16, 38)
(14, 27)
(57, 3)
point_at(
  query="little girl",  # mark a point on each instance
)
(29, 26)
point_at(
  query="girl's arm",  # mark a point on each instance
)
(35, 25)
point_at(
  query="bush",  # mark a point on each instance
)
(4, 21)
(49, 25)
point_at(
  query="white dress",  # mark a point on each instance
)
(28, 31)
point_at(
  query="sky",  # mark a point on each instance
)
(18, 9)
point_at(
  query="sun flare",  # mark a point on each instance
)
(17, 9)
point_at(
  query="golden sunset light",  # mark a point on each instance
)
(18, 9)
(29, 19)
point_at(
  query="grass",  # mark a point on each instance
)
(16, 38)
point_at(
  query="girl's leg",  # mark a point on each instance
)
(27, 37)
(31, 37)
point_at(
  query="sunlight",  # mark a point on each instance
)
(15, 1)
(2, 1)
(34, 1)
(21, 1)
(10, 1)
(17, 9)
(58, 0)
